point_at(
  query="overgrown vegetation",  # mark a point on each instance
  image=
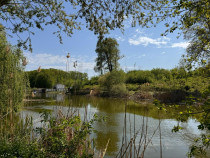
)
(166, 85)
(48, 78)
(198, 108)
(58, 136)
(13, 81)
(191, 17)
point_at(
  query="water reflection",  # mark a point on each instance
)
(138, 116)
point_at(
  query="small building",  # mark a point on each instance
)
(59, 87)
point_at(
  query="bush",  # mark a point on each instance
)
(132, 87)
(60, 136)
(19, 147)
(161, 74)
(110, 79)
(93, 81)
(139, 77)
(119, 90)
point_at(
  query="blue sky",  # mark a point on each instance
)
(143, 49)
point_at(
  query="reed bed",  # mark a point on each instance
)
(62, 135)
(67, 135)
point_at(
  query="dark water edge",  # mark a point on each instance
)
(137, 115)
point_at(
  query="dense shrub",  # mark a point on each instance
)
(110, 79)
(47, 78)
(132, 87)
(178, 73)
(60, 136)
(20, 147)
(139, 77)
(161, 74)
(93, 81)
(119, 90)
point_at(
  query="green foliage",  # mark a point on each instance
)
(200, 146)
(161, 74)
(20, 147)
(202, 143)
(191, 17)
(12, 78)
(132, 87)
(108, 55)
(179, 72)
(99, 16)
(93, 81)
(139, 77)
(176, 128)
(119, 90)
(60, 136)
(48, 78)
(44, 80)
(108, 80)
(66, 137)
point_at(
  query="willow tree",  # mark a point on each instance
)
(12, 77)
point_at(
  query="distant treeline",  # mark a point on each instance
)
(141, 76)
(48, 78)
(158, 74)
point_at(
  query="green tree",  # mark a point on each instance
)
(47, 78)
(161, 74)
(12, 77)
(44, 81)
(110, 79)
(189, 16)
(21, 16)
(139, 77)
(108, 55)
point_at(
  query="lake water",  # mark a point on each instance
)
(120, 114)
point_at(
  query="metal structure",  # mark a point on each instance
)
(75, 64)
(67, 62)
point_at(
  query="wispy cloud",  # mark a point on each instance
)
(119, 38)
(145, 41)
(180, 45)
(46, 61)
(163, 53)
(138, 31)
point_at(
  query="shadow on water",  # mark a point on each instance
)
(138, 129)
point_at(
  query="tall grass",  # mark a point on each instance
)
(58, 136)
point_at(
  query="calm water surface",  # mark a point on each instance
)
(174, 145)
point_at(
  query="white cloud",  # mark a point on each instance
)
(180, 45)
(139, 31)
(145, 41)
(47, 61)
(163, 53)
(119, 38)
